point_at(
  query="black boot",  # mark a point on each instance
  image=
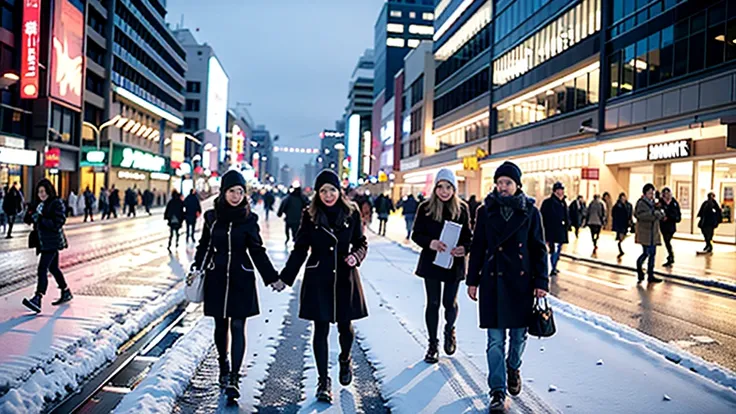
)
(513, 381)
(233, 387)
(450, 341)
(346, 371)
(224, 374)
(324, 390)
(498, 402)
(433, 353)
(640, 275)
(66, 296)
(653, 279)
(34, 303)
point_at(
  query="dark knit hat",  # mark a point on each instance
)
(647, 187)
(510, 170)
(558, 186)
(326, 177)
(232, 178)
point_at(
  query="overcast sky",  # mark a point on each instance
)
(292, 59)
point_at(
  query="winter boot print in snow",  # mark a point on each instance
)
(33, 303)
(66, 296)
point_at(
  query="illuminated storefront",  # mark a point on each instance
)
(92, 167)
(132, 167)
(15, 160)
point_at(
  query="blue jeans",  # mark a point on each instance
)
(554, 254)
(649, 252)
(497, 361)
(409, 224)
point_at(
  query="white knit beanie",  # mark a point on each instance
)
(446, 174)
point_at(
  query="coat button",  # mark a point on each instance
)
(521, 257)
(521, 244)
(500, 249)
(332, 248)
(521, 273)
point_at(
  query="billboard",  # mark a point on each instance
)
(67, 56)
(29, 49)
(354, 147)
(217, 86)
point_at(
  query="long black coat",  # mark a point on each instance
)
(292, 206)
(331, 290)
(13, 203)
(622, 217)
(577, 214)
(672, 216)
(230, 249)
(710, 214)
(115, 198)
(192, 208)
(174, 208)
(427, 229)
(48, 226)
(556, 219)
(508, 260)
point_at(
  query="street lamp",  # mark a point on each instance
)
(117, 119)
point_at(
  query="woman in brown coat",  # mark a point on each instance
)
(647, 232)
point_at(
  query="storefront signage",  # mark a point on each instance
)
(670, 150)
(12, 142)
(52, 158)
(590, 173)
(15, 156)
(67, 54)
(93, 157)
(125, 157)
(29, 49)
(130, 175)
(160, 176)
(470, 163)
(178, 143)
(409, 165)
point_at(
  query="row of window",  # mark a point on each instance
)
(134, 76)
(150, 62)
(417, 90)
(400, 42)
(510, 18)
(695, 43)
(474, 47)
(191, 105)
(458, 136)
(411, 147)
(191, 124)
(566, 95)
(462, 94)
(628, 14)
(64, 125)
(194, 87)
(416, 120)
(96, 21)
(412, 15)
(94, 83)
(573, 26)
(157, 24)
(413, 28)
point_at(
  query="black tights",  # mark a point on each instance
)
(237, 344)
(320, 343)
(434, 289)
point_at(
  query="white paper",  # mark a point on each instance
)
(450, 235)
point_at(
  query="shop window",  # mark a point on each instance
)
(653, 59)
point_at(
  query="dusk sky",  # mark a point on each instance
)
(291, 59)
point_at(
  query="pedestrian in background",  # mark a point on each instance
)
(268, 200)
(331, 234)
(131, 201)
(409, 206)
(507, 269)
(440, 284)
(71, 204)
(384, 207)
(193, 209)
(291, 208)
(622, 215)
(648, 216)
(148, 200)
(596, 219)
(608, 201)
(47, 216)
(473, 205)
(12, 206)
(174, 215)
(229, 247)
(114, 201)
(710, 217)
(668, 226)
(577, 211)
(3, 217)
(556, 219)
(104, 203)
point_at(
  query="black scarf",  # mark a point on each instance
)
(229, 214)
(507, 204)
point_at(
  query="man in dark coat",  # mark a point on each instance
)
(131, 201)
(622, 216)
(89, 203)
(174, 215)
(577, 212)
(710, 217)
(193, 209)
(409, 206)
(12, 206)
(556, 223)
(508, 264)
(668, 225)
(384, 207)
(268, 200)
(291, 208)
(148, 200)
(114, 201)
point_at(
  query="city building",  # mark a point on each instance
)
(206, 104)
(237, 143)
(460, 98)
(358, 117)
(400, 27)
(262, 159)
(332, 151)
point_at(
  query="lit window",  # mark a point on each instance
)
(413, 42)
(419, 29)
(395, 42)
(395, 13)
(395, 28)
(412, 15)
(427, 16)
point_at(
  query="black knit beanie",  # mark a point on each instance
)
(326, 177)
(232, 179)
(508, 169)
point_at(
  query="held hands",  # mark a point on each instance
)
(438, 246)
(458, 251)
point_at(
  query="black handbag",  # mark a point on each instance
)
(542, 322)
(33, 240)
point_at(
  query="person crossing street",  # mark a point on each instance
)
(648, 216)
(556, 218)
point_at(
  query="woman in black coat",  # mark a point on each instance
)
(710, 217)
(230, 239)
(443, 206)
(622, 215)
(47, 215)
(174, 215)
(331, 235)
(508, 263)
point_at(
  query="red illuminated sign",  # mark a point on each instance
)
(52, 158)
(29, 49)
(590, 173)
(67, 56)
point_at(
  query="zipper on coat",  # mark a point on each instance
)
(334, 278)
(227, 270)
